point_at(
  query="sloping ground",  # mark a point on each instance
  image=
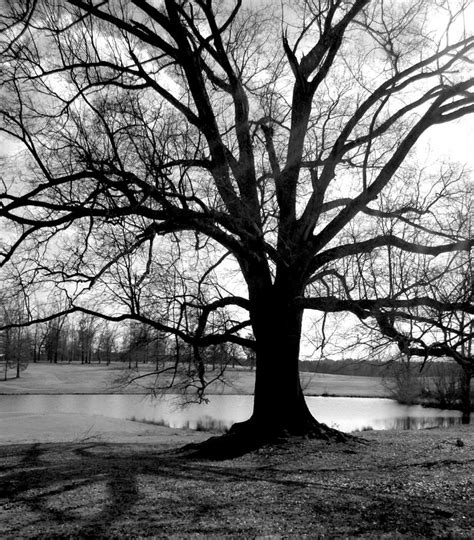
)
(102, 379)
(393, 485)
(24, 428)
(64, 379)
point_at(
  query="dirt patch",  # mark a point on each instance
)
(394, 484)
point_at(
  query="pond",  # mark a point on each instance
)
(346, 414)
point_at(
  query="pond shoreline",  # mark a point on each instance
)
(221, 411)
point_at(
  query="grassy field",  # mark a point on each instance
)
(410, 484)
(98, 379)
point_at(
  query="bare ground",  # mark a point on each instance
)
(410, 484)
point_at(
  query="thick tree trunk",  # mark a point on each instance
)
(279, 404)
(280, 408)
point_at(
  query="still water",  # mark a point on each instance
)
(346, 414)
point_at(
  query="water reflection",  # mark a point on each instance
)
(410, 422)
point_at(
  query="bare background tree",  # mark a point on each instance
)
(430, 331)
(185, 169)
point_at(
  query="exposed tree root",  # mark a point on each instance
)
(248, 436)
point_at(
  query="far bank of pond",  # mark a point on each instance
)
(102, 379)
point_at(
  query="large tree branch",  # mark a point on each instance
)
(368, 246)
(391, 87)
(367, 307)
(398, 214)
(431, 117)
(319, 59)
(142, 33)
(418, 347)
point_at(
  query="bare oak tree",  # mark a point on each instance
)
(231, 156)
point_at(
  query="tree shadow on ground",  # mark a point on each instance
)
(107, 490)
(47, 475)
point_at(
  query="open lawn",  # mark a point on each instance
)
(410, 484)
(99, 379)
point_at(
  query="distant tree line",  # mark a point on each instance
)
(372, 368)
(87, 340)
(344, 367)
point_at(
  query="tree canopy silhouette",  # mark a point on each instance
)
(211, 168)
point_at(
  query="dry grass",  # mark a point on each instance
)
(396, 484)
(98, 379)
